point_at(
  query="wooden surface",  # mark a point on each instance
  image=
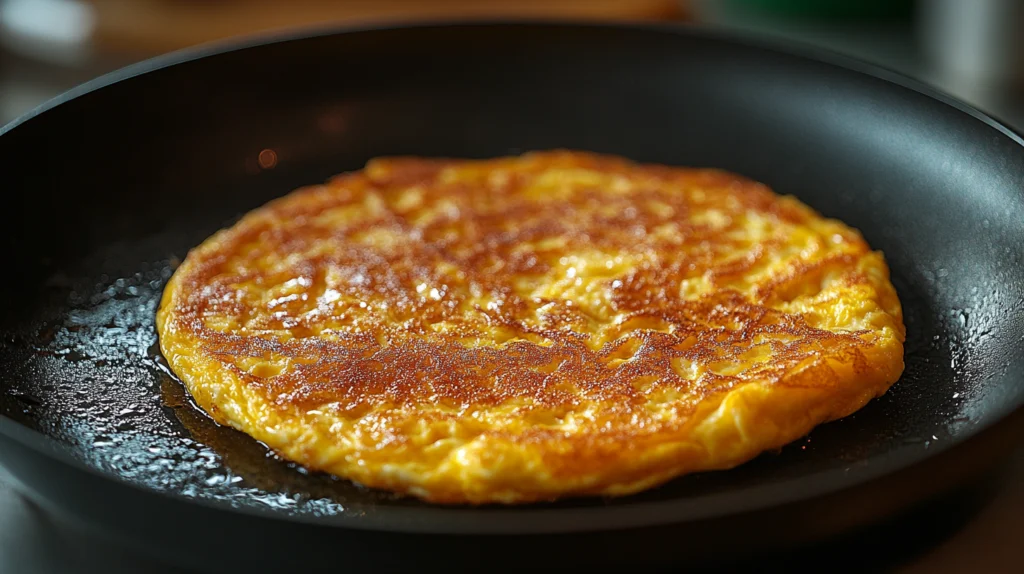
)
(155, 26)
(992, 541)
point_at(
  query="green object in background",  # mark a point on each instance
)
(832, 9)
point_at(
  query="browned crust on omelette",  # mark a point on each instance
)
(415, 325)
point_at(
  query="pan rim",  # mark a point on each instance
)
(789, 48)
(533, 519)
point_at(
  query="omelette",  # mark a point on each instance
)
(527, 328)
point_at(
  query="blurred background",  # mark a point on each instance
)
(969, 48)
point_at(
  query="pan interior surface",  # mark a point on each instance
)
(115, 186)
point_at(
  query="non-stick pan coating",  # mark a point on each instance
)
(109, 189)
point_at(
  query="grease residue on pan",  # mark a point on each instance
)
(86, 371)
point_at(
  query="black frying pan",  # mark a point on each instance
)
(108, 187)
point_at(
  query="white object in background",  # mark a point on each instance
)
(58, 31)
(976, 41)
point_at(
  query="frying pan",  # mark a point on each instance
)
(109, 186)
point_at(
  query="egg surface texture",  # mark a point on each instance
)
(528, 328)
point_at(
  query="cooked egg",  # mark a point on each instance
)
(528, 328)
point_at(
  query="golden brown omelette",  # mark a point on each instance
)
(526, 328)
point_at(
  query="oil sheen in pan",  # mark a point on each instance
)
(85, 369)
